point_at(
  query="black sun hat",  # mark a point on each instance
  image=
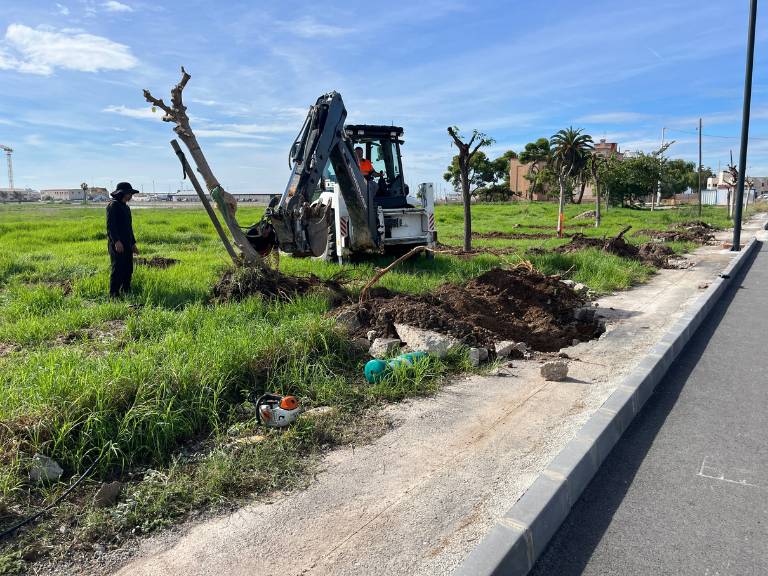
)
(123, 188)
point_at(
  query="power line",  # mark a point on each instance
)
(716, 135)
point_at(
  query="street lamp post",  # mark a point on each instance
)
(745, 126)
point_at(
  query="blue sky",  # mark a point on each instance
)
(72, 74)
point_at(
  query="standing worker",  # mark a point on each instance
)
(121, 242)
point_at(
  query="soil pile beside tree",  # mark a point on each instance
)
(156, 262)
(519, 304)
(696, 231)
(248, 281)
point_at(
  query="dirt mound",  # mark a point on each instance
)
(695, 231)
(156, 262)
(247, 281)
(657, 254)
(616, 245)
(653, 253)
(519, 304)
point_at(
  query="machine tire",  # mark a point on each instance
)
(329, 254)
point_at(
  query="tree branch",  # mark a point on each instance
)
(177, 114)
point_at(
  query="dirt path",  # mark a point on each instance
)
(420, 497)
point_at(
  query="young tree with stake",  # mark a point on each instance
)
(570, 149)
(467, 151)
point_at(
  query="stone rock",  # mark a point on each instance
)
(585, 314)
(371, 335)
(585, 215)
(44, 469)
(319, 412)
(384, 347)
(107, 494)
(361, 344)
(349, 320)
(248, 440)
(477, 356)
(509, 348)
(420, 340)
(570, 283)
(555, 370)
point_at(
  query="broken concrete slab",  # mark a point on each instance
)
(384, 347)
(477, 356)
(420, 340)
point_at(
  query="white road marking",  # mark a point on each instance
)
(707, 471)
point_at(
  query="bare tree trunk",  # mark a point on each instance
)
(177, 113)
(561, 206)
(467, 200)
(597, 203)
(581, 192)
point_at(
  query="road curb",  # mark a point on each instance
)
(516, 541)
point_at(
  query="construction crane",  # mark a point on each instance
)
(8, 151)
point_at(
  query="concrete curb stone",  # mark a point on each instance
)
(517, 540)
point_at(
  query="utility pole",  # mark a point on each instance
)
(745, 125)
(658, 186)
(699, 168)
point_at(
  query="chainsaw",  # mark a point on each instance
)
(277, 411)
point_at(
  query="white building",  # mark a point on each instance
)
(62, 194)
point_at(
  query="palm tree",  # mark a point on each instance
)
(570, 150)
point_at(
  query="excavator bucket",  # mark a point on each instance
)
(318, 225)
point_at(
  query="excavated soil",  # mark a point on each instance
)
(245, 281)
(156, 262)
(519, 304)
(652, 253)
(695, 231)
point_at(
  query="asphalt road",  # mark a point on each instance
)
(685, 491)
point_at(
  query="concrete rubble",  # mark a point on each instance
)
(420, 340)
(384, 347)
(555, 370)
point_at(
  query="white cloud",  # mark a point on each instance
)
(42, 50)
(141, 113)
(114, 6)
(308, 27)
(612, 117)
(63, 10)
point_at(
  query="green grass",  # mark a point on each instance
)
(139, 379)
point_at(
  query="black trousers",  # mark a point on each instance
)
(122, 270)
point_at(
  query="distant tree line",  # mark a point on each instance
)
(621, 182)
(563, 166)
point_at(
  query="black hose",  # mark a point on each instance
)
(35, 516)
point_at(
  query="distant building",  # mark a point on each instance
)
(262, 199)
(518, 183)
(19, 195)
(607, 149)
(62, 194)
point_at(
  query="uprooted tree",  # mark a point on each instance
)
(467, 151)
(177, 114)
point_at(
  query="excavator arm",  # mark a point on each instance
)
(301, 225)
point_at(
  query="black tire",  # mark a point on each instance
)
(329, 254)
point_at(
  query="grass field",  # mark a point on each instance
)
(137, 382)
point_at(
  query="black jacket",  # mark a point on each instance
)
(119, 225)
